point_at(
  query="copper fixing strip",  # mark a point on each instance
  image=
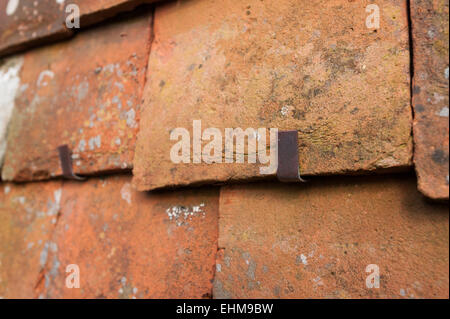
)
(65, 159)
(288, 160)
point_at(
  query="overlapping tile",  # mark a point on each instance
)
(29, 23)
(25, 23)
(28, 215)
(311, 66)
(129, 244)
(317, 240)
(430, 29)
(85, 93)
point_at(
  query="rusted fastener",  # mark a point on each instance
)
(288, 162)
(65, 158)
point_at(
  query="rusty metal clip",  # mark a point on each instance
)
(288, 161)
(65, 159)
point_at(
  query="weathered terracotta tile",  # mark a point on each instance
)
(310, 66)
(26, 23)
(9, 87)
(316, 240)
(129, 244)
(84, 93)
(28, 214)
(430, 96)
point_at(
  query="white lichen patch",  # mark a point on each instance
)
(9, 86)
(116, 100)
(181, 215)
(11, 7)
(131, 118)
(95, 142)
(444, 112)
(44, 255)
(285, 110)
(302, 259)
(318, 281)
(82, 91)
(20, 199)
(82, 145)
(53, 206)
(125, 193)
(127, 290)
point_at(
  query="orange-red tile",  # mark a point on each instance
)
(85, 93)
(430, 96)
(316, 240)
